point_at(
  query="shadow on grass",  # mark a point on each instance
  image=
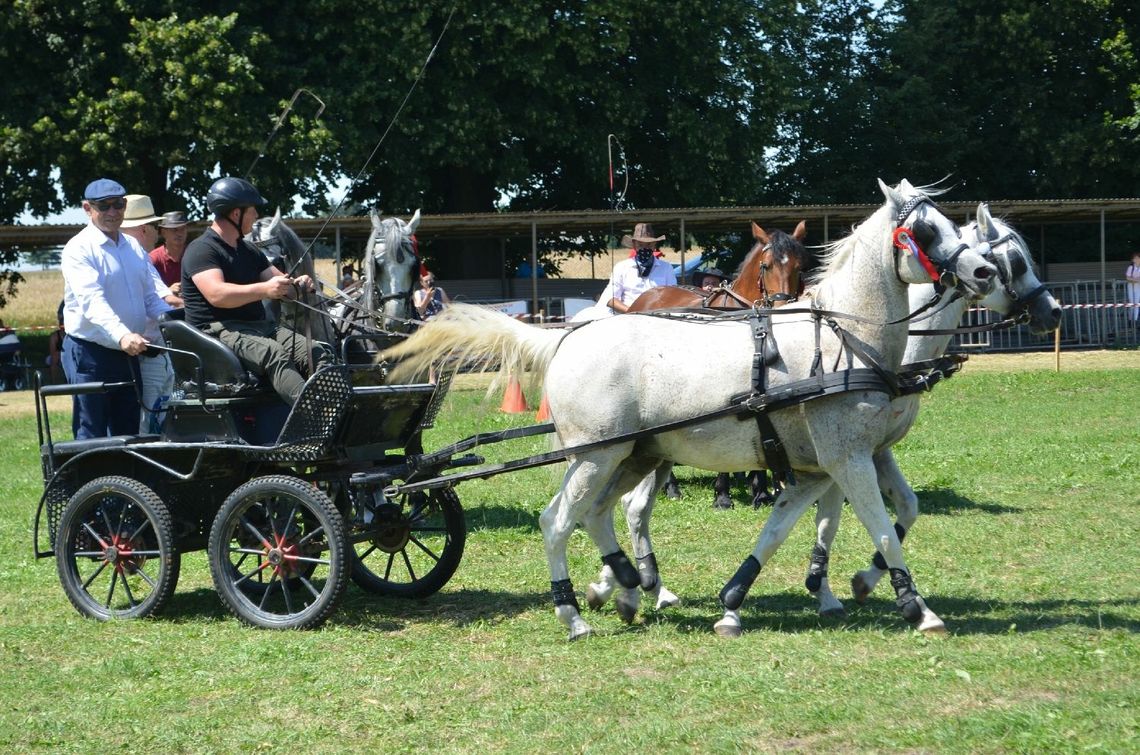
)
(945, 501)
(496, 517)
(963, 616)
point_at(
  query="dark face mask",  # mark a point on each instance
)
(644, 261)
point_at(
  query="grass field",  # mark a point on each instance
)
(1029, 482)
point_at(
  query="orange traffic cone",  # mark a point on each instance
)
(513, 400)
(543, 412)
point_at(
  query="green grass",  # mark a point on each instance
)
(1030, 491)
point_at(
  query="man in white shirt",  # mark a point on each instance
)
(109, 297)
(643, 271)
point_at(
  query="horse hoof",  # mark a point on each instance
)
(729, 629)
(626, 611)
(933, 627)
(834, 613)
(762, 499)
(673, 492)
(722, 502)
(859, 588)
(666, 599)
(578, 634)
(593, 600)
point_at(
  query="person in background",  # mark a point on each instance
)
(1132, 275)
(643, 271)
(141, 223)
(347, 277)
(225, 279)
(429, 299)
(109, 298)
(167, 259)
(55, 350)
(708, 280)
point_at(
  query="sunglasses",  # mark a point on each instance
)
(110, 204)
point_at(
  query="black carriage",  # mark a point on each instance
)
(289, 503)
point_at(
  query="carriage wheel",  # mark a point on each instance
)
(411, 547)
(115, 550)
(278, 553)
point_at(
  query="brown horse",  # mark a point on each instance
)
(769, 277)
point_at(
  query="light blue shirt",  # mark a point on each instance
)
(108, 288)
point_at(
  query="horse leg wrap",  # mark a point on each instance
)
(906, 597)
(817, 570)
(733, 593)
(647, 568)
(623, 570)
(562, 591)
(878, 560)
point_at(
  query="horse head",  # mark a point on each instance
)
(391, 268)
(773, 266)
(276, 240)
(929, 246)
(1019, 292)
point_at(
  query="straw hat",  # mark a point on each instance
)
(139, 211)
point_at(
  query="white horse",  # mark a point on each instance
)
(626, 374)
(383, 299)
(1019, 292)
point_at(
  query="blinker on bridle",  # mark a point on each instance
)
(940, 272)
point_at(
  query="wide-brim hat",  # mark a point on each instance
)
(174, 219)
(642, 232)
(139, 211)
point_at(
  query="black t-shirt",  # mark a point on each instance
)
(242, 265)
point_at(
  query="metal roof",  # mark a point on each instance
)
(835, 217)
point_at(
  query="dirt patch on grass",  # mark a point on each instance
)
(1101, 359)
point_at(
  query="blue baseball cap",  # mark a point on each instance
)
(101, 188)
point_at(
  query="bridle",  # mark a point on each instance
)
(941, 272)
(377, 260)
(1006, 276)
(769, 300)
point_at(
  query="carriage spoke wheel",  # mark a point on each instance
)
(115, 550)
(278, 553)
(411, 546)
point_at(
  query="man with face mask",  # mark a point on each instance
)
(643, 271)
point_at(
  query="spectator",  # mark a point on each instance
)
(429, 299)
(141, 223)
(167, 259)
(347, 277)
(109, 297)
(55, 349)
(225, 279)
(645, 270)
(1132, 275)
(708, 280)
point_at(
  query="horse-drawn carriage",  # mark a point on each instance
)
(287, 504)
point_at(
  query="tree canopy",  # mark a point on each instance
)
(714, 101)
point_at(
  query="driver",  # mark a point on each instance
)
(225, 279)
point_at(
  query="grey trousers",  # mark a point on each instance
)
(268, 349)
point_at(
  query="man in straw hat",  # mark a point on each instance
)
(109, 299)
(141, 223)
(644, 270)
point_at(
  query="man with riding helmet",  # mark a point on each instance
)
(225, 279)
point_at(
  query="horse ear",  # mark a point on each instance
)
(801, 232)
(276, 221)
(758, 234)
(987, 230)
(891, 195)
(376, 220)
(414, 223)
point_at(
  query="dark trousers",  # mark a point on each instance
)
(266, 348)
(96, 415)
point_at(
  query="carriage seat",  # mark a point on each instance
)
(223, 373)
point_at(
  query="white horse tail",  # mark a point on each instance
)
(477, 337)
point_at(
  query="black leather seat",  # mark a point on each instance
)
(223, 372)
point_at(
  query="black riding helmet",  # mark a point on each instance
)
(227, 194)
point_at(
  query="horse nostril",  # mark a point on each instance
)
(982, 273)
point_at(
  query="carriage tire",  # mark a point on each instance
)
(115, 551)
(415, 550)
(286, 528)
